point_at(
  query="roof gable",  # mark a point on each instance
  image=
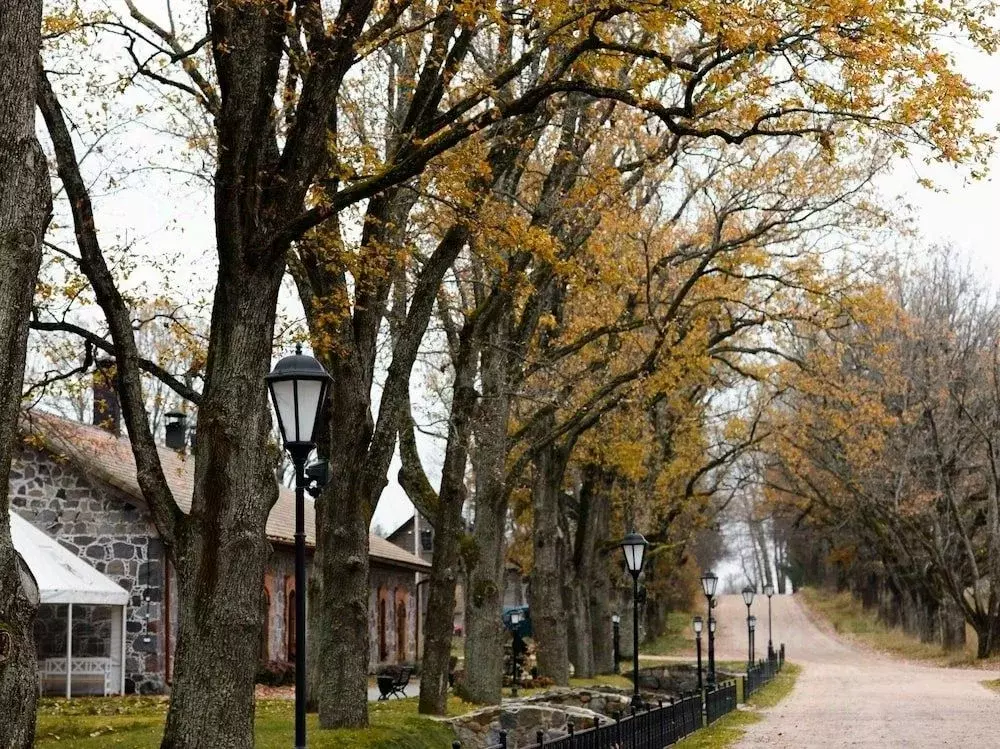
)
(110, 458)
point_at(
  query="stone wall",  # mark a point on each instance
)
(111, 531)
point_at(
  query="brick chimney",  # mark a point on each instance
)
(107, 409)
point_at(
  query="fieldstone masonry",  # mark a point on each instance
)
(116, 536)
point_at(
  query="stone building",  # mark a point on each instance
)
(77, 483)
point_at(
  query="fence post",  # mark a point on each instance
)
(456, 745)
(540, 737)
(503, 740)
(572, 733)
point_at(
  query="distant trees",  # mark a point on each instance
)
(885, 441)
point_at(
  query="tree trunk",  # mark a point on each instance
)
(548, 606)
(952, 627)
(222, 549)
(25, 207)
(601, 591)
(448, 533)
(486, 572)
(593, 499)
(338, 630)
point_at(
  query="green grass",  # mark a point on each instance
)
(993, 684)
(137, 723)
(730, 728)
(676, 639)
(849, 618)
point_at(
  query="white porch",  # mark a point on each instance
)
(67, 582)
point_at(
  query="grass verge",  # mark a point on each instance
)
(993, 684)
(676, 639)
(849, 618)
(730, 728)
(137, 723)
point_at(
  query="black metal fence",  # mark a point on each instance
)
(762, 672)
(720, 701)
(654, 727)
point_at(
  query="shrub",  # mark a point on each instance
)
(276, 674)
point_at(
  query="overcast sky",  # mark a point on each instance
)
(168, 217)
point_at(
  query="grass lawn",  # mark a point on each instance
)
(849, 618)
(676, 639)
(730, 729)
(137, 723)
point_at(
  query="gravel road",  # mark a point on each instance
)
(846, 696)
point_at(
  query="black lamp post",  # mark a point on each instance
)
(769, 591)
(709, 582)
(298, 386)
(753, 634)
(515, 647)
(616, 641)
(697, 624)
(634, 547)
(748, 594)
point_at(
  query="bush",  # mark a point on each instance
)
(276, 674)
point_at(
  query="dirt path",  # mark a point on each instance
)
(846, 696)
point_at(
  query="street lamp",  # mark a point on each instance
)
(515, 625)
(616, 642)
(709, 582)
(298, 386)
(753, 630)
(634, 548)
(748, 594)
(769, 591)
(697, 624)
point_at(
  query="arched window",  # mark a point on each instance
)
(383, 625)
(265, 630)
(401, 626)
(290, 618)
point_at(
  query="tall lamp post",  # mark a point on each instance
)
(298, 386)
(769, 591)
(709, 582)
(748, 594)
(515, 625)
(634, 548)
(753, 635)
(616, 641)
(698, 624)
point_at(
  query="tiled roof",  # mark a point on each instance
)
(99, 453)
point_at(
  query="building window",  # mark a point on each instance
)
(383, 625)
(400, 626)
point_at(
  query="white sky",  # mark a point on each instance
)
(166, 216)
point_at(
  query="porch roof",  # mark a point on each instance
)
(62, 576)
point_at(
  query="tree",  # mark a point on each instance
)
(25, 208)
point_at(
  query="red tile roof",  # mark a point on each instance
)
(97, 452)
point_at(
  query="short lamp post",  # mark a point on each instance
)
(616, 641)
(298, 386)
(698, 624)
(709, 582)
(515, 650)
(634, 548)
(748, 594)
(769, 592)
(753, 633)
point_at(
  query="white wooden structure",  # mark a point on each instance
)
(66, 579)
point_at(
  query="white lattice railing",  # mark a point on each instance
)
(83, 667)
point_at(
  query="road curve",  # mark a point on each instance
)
(848, 697)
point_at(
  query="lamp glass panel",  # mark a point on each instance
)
(310, 392)
(709, 581)
(697, 625)
(633, 556)
(711, 625)
(616, 618)
(283, 395)
(769, 590)
(515, 617)
(748, 594)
